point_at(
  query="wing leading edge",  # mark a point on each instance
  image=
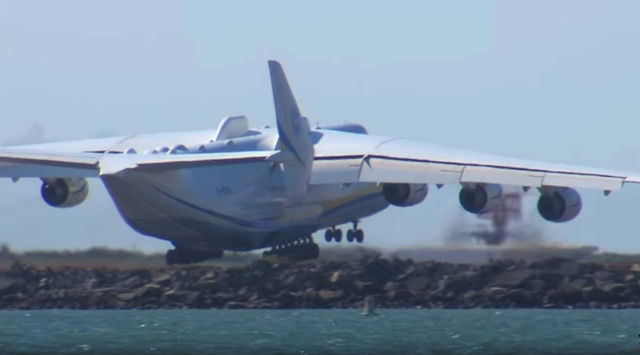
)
(404, 161)
(394, 161)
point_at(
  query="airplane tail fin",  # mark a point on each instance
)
(293, 129)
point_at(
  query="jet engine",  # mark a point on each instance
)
(559, 204)
(480, 198)
(64, 192)
(404, 195)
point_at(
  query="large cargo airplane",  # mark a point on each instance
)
(243, 189)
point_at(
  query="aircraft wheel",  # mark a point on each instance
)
(328, 235)
(338, 235)
(171, 257)
(359, 234)
(350, 235)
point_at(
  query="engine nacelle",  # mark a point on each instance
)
(480, 198)
(64, 192)
(404, 195)
(559, 204)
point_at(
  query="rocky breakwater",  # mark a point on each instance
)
(553, 283)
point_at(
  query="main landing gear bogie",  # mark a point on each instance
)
(333, 234)
(357, 235)
(300, 249)
(352, 234)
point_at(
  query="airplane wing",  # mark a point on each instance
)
(406, 161)
(390, 161)
(24, 163)
(16, 163)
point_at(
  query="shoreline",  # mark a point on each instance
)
(555, 283)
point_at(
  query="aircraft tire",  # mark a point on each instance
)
(328, 235)
(350, 235)
(338, 235)
(170, 257)
(359, 235)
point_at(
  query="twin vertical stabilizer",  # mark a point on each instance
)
(293, 130)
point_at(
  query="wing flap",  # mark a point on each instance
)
(16, 164)
(388, 170)
(347, 171)
(583, 181)
(502, 176)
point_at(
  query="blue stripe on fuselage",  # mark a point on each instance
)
(264, 224)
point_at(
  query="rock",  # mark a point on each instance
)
(552, 263)
(570, 268)
(235, 305)
(535, 285)
(558, 283)
(261, 265)
(365, 287)
(328, 295)
(493, 291)
(150, 291)
(206, 285)
(564, 296)
(513, 278)
(132, 282)
(552, 279)
(162, 279)
(336, 276)
(295, 281)
(6, 284)
(418, 284)
(127, 296)
(579, 283)
(614, 288)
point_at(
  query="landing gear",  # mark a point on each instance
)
(182, 256)
(333, 233)
(328, 235)
(357, 235)
(352, 234)
(295, 250)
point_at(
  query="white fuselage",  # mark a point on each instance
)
(234, 206)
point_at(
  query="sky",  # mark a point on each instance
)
(546, 80)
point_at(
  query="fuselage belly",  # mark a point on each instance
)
(239, 206)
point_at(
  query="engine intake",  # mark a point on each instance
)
(480, 198)
(64, 192)
(559, 204)
(404, 195)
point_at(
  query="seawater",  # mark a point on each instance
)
(409, 331)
